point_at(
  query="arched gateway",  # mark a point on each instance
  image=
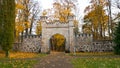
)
(49, 29)
(57, 43)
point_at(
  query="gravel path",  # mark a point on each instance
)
(55, 60)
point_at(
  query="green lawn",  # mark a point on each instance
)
(91, 60)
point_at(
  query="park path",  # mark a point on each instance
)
(55, 60)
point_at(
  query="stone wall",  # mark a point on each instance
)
(31, 43)
(85, 43)
(102, 45)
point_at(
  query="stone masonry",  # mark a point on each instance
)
(85, 43)
(31, 43)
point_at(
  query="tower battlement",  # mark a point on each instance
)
(85, 35)
(57, 23)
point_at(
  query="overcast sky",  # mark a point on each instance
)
(46, 4)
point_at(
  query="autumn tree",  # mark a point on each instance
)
(20, 23)
(63, 9)
(7, 23)
(96, 19)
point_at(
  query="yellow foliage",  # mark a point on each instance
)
(96, 20)
(27, 24)
(58, 39)
(62, 19)
(44, 13)
(62, 11)
(22, 55)
(38, 28)
(66, 12)
(19, 55)
(20, 27)
(97, 15)
(76, 23)
(19, 6)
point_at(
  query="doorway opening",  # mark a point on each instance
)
(57, 43)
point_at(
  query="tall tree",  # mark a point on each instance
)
(63, 9)
(7, 23)
(117, 39)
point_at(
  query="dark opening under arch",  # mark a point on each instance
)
(57, 43)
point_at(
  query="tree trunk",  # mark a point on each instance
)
(7, 54)
(31, 26)
(109, 18)
(26, 15)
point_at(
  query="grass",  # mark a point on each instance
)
(19, 60)
(95, 60)
(96, 63)
(91, 54)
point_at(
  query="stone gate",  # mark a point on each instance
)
(51, 28)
